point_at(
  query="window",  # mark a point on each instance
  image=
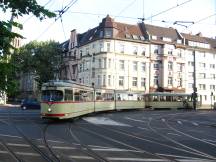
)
(93, 72)
(80, 67)
(179, 67)
(170, 52)
(179, 52)
(121, 48)
(202, 75)
(134, 82)
(108, 47)
(104, 63)
(170, 81)
(190, 63)
(101, 47)
(212, 87)
(109, 63)
(202, 87)
(93, 59)
(81, 53)
(68, 95)
(170, 65)
(202, 65)
(121, 80)
(108, 33)
(121, 64)
(179, 82)
(143, 82)
(135, 50)
(135, 65)
(87, 51)
(104, 80)
(99, 80)
(190, 85)
(212, 76)
(156, 51)
(99, 63)
(143, 66)
(109, 80)
(143, 51)
(212, 66)
(155, 80)
(156, 66)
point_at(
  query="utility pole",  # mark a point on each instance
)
(194, 95)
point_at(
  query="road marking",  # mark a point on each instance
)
(4, 152)
(143, 128)
(63, 147)
(179, 122)
(135, 159)
(163, 120)
(27, 153)
(18, 144)
(6, 135)
(208, 140)
(104, 121)
(81, 157)
(196, 124)
(174, 134)
(136, 120)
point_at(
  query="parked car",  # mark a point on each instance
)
(30, 103)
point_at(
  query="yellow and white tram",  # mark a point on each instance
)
(68, 99)
(165, 100)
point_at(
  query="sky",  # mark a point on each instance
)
(87, 14)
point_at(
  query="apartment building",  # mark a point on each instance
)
(141, 57)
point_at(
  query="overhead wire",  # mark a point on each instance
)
(171, 8)
(25, 21)
(61, 12)
(129, 5)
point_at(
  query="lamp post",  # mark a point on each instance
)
(194, 95)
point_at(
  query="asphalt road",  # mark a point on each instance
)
(123, 136)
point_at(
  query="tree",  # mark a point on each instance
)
(40, 58)
(17, 8)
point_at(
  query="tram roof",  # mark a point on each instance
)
(64, 83)
(167, 94)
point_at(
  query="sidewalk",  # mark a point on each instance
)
(9, 105)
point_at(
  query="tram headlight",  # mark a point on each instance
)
(49, 109)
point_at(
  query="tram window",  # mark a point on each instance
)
(68, 95)
(77, 96)
(52, 95)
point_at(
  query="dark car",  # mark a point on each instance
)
(30, 104)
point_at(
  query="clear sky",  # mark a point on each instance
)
(86, 14)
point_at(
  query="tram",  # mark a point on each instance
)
(166, 100)
(68, 99)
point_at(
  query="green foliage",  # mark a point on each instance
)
(18, 8)
(9, 68)
(40, 58)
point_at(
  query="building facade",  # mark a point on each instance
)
(141, 57)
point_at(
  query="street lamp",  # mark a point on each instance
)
(194, 95)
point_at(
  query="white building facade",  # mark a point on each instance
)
(142, 58)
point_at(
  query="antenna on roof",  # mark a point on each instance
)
(143, 17)
(181, 23)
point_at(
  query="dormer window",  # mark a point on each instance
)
(142, 38)
(127, 36)
(154, 37)
(108, 33)
(135, 36)
(179, 41)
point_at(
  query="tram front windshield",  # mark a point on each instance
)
(52, 95)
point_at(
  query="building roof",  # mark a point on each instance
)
(138, 32)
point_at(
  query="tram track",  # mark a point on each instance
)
(184, 148)
(195, 151)
(84, 148)
(34, 146)
(8, 149)
(126, 145)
